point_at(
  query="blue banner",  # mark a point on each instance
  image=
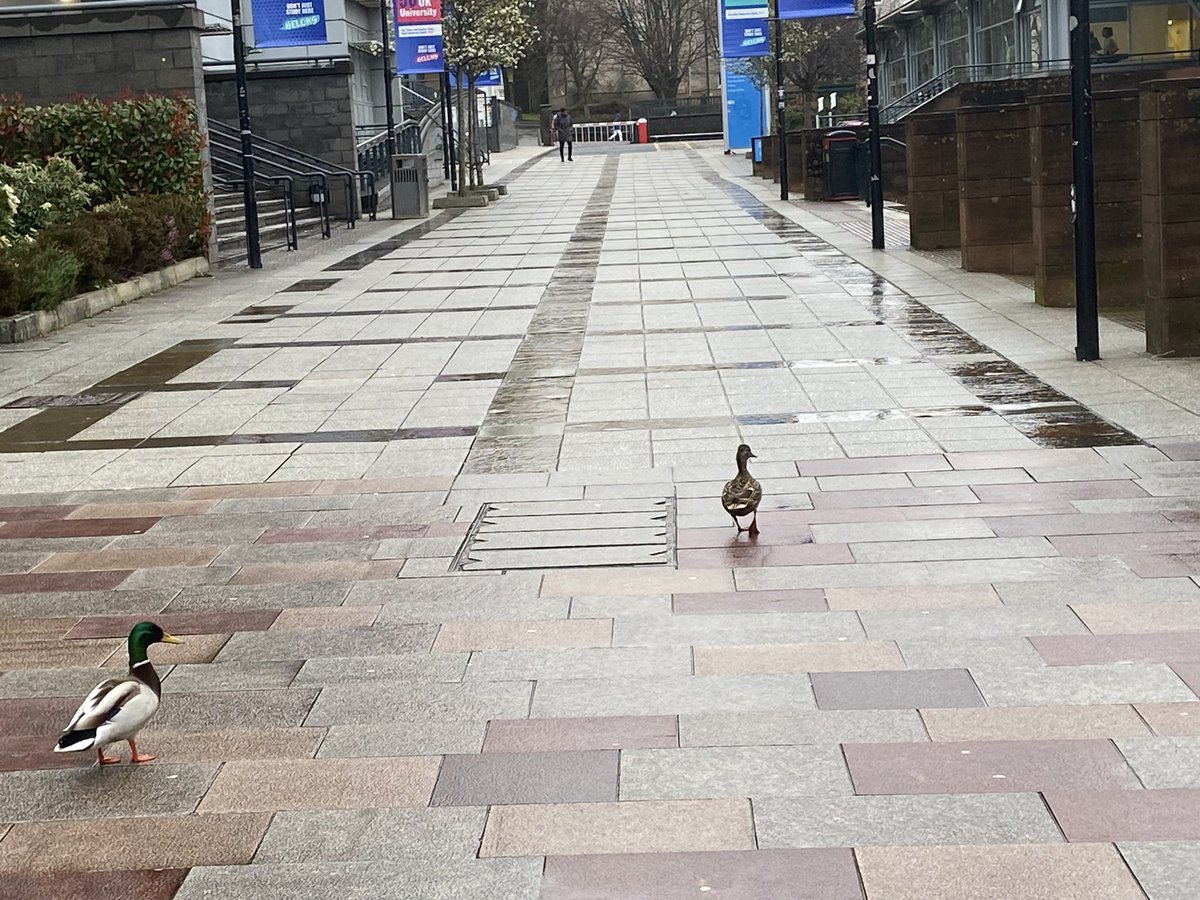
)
(744, 105)
(490, 78)
(419, 49)
(288, 23)
(815, 9)
(744, 28)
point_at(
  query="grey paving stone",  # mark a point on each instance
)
(233, 597)
(704, 772)
(603, 662)
(736, 874)
(962, 548)
(87, 603)
(505, 778)
(1125, 589)
(112, 791)
(895, 690)
(307, 644)
(905, 820)
(404, 738)
(809, 727)
(1166, 870)
(229, 710)
(670, 695)
(1162, 762)
(950, 653)
(75, 681)
(614, 607)
(461, 588)
(966, 624)
(467, 609)
(393, 667)
(250, 675)
(367, 703)
(598, 733)
(764, 628)
(371, 834)
(1135, 683)
(487, 879)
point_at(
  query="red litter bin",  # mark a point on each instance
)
(643, 131)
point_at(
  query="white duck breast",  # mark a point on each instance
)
(115, 710)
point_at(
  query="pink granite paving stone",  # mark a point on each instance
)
(53, 582)
(1112, 523)
(505, 778)
(780, 535)
(19, 752)
(143, 884)
(1125, 815)
(68, 528)
(895, 690)
(575, 734)
(986, 767)
(741, 556)
(1059, 490)
(39, 715)
(784, 601)
(1096, 649)
(1189, 674)
(729, 875)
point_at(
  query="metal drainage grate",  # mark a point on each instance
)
(570, 534)
(58, 400)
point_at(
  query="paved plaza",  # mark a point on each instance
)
(436, 513)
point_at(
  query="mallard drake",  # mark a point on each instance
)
(742, 495)
(117, 709)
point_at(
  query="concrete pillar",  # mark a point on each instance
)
(1118, 200)
(1170, 134)
(932, 151)
(994, 212)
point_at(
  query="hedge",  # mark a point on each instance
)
(135, 145)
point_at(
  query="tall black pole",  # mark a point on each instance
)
(386, 31)
(253, 250)
(875, 185)
(1083, 200)
(780, 112)
(451, 151)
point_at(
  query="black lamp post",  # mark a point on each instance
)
(874, 153)
(386, 33)
(1083, 201)
(253, 249)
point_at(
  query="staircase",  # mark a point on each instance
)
(280, 227)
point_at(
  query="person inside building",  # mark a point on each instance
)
(1108, 45)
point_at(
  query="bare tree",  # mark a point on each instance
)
(663, 39)
(580, 40)
(816, 53)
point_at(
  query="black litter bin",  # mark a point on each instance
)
(841, 154)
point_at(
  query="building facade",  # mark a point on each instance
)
(923, 42)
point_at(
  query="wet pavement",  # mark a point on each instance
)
(436, 514)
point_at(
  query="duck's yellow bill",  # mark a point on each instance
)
(170, 639)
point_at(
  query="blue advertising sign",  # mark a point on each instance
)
(815, 9)
(288, 23)
(744, 28)
(745, 107)
(419, 49)
(490, 78)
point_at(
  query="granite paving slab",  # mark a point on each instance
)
(723, 629)
(160, 842)
(345, 835)
(410, 738)
(987, 767)
(964, 624)
(393, 667)
(743, 602)
(489, 879)
(269, 785)
(1171, 719)
(145, 884)
(1117, 683)
(503, 778)
(1130, 618)
(220, 710)
(598, 733)
(996, 872)
(242, 597)
(731, 875)
(918, 597)
(948, 652)
(615, 662)
(462, 609)
(670, 695)
(1082, 650)
(699, 772)
(895, 690)
(176, 623)
(1165, 870)
(374, 641)
(664, 826)
(1124, 815)
(770, 659)
(1163, 762)
(331, 617)
(820, 727)
(1035, 723)
(910, 821)
(518, 635)
(112, 792)
(250, 675)
(250, 743)
(367, 703)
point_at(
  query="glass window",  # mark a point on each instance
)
(895, 66)
(996, 34)
(952, 29)
(920, 43)
(1120, 29)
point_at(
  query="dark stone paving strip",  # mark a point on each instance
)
(400, 312)
(363, 258)
(309, 285)
(537, 387)
(378, 342)
(997, 382)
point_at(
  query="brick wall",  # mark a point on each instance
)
(932, 149)
(994, 213)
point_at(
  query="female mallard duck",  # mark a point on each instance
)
(742, 495)
(117, 709)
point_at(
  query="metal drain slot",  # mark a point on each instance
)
(570, 534)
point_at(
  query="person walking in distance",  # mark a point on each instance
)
(561, 125)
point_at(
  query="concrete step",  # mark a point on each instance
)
(231, 247)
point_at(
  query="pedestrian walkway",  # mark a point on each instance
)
(437, 516)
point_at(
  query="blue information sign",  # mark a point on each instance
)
(288, 23)
(744, 102)
(490, 78)
(815, 9)
(744, 28)
(419, 49)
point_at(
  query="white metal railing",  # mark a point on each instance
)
(590, 132)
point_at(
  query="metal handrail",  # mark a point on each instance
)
(291, 232)
(233, 161)
(365, 179)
